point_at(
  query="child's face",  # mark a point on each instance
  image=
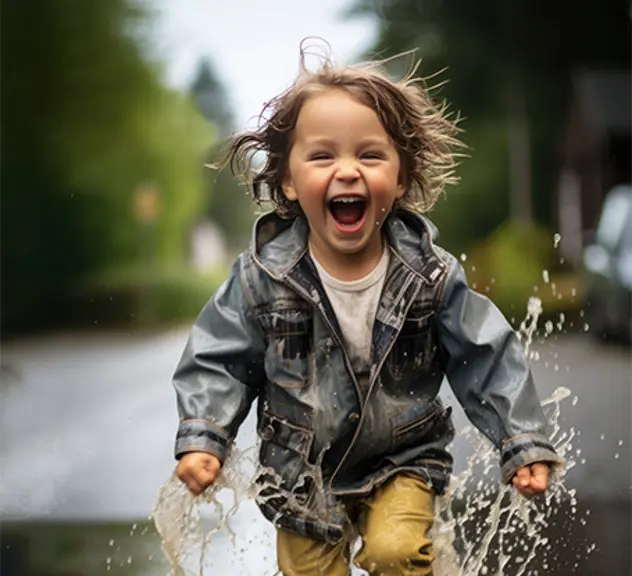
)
(345, 173)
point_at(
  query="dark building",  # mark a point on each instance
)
(595, 154)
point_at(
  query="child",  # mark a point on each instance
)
(341, 319)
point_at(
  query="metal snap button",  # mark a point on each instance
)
(267, 433)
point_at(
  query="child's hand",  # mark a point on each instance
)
(198, 470)
(532, 480)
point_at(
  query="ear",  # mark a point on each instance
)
(401, 183)
(288, 188)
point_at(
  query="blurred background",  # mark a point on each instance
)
(114, 235)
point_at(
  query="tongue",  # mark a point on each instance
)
(347, 212)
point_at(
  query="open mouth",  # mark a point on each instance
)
(348, 211)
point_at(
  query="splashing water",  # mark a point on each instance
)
(179, 516)
(479, 522)
(481, 527)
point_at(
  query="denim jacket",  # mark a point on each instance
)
(269, 334)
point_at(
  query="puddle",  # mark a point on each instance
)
(80, 549)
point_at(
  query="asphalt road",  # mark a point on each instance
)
(86, 437)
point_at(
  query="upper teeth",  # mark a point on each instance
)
(347, 199)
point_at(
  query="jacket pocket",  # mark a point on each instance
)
(412, 424)
(290, 346)
(414, 348)
(285, 449)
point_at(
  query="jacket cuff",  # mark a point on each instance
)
(527, 449)
(201, 436)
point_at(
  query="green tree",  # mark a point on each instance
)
(504, 60)
(227, 201)
(86, 119)
(211, 97)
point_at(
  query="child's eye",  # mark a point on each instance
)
(372, 156)
(320, 156)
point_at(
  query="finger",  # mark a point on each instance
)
(203, 477)
(185, 466)
(524, 476)
(527, 492)
(539, 477)
(213, 465)
(191, 483)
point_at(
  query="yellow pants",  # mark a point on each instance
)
(394, 524)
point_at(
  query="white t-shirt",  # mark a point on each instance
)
(355, 304)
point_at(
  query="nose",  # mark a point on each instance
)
(347, 171)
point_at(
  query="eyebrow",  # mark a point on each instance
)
(371, 141)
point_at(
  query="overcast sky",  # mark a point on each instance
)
(253, 43)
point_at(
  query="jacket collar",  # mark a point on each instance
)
(278, 244)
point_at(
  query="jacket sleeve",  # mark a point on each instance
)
(220, 372)
(489, 373)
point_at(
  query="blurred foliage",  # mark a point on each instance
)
(510, 262)
(227, 201)
(517, 261)
(138, 298)
(488, 46)
(475, 209)
(87, 119)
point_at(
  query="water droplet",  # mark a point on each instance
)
(586, 327)
(575, 401)
(463, 257)
(620, 442)
(616, 456)
(111, 543)
(556, 240)
(602, 436)
(545, 276)
(548, 326)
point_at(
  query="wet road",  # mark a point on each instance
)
(87, 433)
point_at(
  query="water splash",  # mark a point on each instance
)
(180, 517)
(481, 528)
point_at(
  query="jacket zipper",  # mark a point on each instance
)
(334, 334)
(374, 379)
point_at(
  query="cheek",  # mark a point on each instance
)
(386, 188)
(312, 182)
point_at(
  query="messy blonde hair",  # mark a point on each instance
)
(422, 131)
